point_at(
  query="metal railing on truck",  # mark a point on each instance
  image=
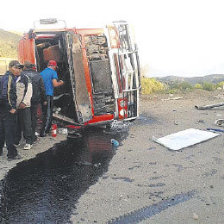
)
(128, 51)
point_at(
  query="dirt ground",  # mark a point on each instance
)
(146, 182)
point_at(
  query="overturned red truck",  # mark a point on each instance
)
(100, 68)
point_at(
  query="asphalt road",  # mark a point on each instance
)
(147, 183)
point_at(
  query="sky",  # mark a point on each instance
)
(174, 37)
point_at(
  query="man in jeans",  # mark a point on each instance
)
(50, 78)
(24, 93)
(8, 109)
(38, 96)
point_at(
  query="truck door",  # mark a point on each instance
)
(77, 76)
(27, 49)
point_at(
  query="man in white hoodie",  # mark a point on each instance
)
(24, 93)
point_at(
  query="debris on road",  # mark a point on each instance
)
(209, 106)
(215, 129)
(173, 98)
(200, 121)
(185, 138)
(114, 142)
(63, 131)
(219, 122)
(195, 216)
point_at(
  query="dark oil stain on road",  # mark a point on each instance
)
(45, 189)
(143, 119)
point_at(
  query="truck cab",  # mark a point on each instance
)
(100, 68)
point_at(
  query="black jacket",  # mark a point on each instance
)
(38, 86)
(8, 96)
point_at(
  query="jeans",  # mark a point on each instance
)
(47, 115)
(7, 132)
(24, 125)
(33, 111)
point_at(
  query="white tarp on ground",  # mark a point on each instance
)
(185, 138)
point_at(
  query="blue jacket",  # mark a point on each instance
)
(8, 97)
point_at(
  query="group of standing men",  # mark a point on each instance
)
(22, 89)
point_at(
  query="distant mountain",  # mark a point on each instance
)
(213, 78)
(8, 44)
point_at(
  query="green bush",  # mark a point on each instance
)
(198, 86)
(208, 86)
(220, 84)
(173, 85)
(172, 91)
(178, 87)
(185, 86)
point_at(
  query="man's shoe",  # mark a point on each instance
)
(27, 147)
(14, 157)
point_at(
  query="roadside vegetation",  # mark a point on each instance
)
(151, 85)
(8, 44)
(8, 48)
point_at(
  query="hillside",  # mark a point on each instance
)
(213, 78)
(8, 44)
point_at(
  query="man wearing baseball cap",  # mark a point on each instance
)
(50, 78)
(15, 64)
(8, 105)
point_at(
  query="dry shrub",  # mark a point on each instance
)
(151, 85)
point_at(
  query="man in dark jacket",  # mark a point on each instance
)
(38, 96)
(8, 100)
